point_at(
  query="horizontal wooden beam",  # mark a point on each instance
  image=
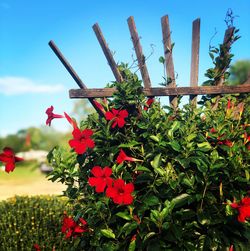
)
(160, 91)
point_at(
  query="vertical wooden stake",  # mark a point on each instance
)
(139, 53)
(166, 35)
(194, 74)
(107, 53)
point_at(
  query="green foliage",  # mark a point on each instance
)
(42, 138)
(239, 72)
(26, 221)
(184, 183)
(221, 58)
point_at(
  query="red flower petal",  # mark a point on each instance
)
(70, 120)
(123, 113)
(109, 115)
(120, 122)
(107, 171)
(115, 112)
(128, 199)
(129, 188)
(97, 171)
(90, 143)
(111, 192)
(87, 133)
(8, 151)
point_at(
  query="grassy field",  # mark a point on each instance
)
(27, 180)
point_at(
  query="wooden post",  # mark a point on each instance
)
(107, 53)
(166, 35)
(139, 53)
(72, 72)
(227, 42)
(194, 74)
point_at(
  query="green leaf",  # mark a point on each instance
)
(181, 200)
(151, 200)
(132, 246)
(175, 145)
(175, 126)
(130, 144)
(157, 161)
(162, 60)
(142, 169)
(149, 235)
(155, 138)
(204, 146)
(124, 215)
(108, 233)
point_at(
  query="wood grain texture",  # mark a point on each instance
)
(139, 54)
(72, 72)
(107, 53)
(227, 42)
(174, 91)
(167, 45)
(194, 72)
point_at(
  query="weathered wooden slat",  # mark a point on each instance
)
(139, 53)
(107, 53)
(194, 74)
(66, 64)
(72, 72)
(160, 91)
(167, 44)
(227, 41)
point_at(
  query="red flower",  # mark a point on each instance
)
(81, 140)
(212, 130)
(120, 192)
(122, 157)
(148, 103)
(243, 208)
(117, 116)
(9, 159)
(226, 142)
(37, 247)
(71, 228)
(70, 120)
(231, 248)
(101, 179)
(51, 115)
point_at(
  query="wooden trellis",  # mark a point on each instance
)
(171, 90)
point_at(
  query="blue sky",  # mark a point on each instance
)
(32, 78)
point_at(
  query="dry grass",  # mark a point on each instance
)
(27, 180)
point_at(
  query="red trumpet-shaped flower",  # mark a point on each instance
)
(149, 102)
(101, 179)
(117, 116)
(70, 120)
(81, 140)
(51, 115)
(243, 208)
(9, 158)
(121, 192)
(123, 157)
(72, 228)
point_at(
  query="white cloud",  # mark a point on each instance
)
(20, 85)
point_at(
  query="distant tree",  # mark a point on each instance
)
(81, 109)
(239, 72)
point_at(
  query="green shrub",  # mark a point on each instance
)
(186, 168)
(26, 221)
